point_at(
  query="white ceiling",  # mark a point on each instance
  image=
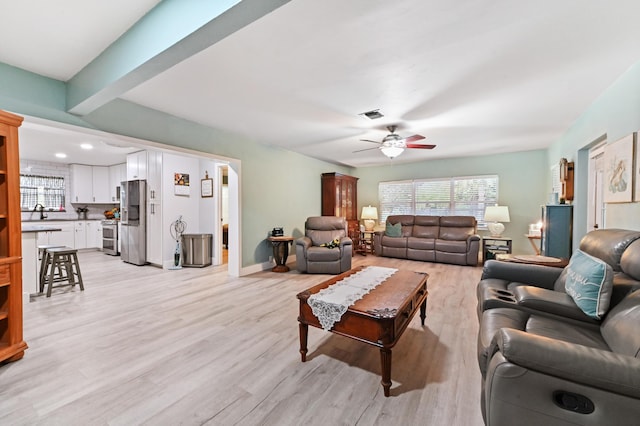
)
(41, 141)
(473, 77)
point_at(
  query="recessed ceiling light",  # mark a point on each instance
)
(86, 146)
(61, 155)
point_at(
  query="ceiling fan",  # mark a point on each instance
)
(393, 144)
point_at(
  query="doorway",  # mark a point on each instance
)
(117, 142)
(596, 208)
(223, 227)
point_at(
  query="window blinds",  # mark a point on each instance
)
(464, 196)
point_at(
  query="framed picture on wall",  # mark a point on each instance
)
(181, 183)
(618, 171)
(206, 187)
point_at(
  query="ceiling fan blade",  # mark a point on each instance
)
(366, 149)
(369, 140)
(413, 138)
(420, 146)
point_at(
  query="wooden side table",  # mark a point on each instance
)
(492, 246)
(280, 252)
(534, 244)
(367, 238)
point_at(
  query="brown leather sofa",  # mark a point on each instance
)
(542, 360)
(444, 239)
(314, 258)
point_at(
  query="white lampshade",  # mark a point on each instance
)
(392, 151)
(493, 215)
(497, 214)
(369, 216)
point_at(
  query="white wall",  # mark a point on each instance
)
(208, 205)
(174, 206)
(200, 214)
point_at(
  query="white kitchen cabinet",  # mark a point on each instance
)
(101, 192)
(65, 237)
(89, 184)
(154, 235)
(137, 165)
(154, 176)
(87, 234)
(117, 175)
(154, 207)
(81, 183)
(80, 235)
(94, 234)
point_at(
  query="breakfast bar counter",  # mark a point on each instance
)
(30, 256)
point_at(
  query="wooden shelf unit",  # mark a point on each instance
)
(12, 345)
(340, 198)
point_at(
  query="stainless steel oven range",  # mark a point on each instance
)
(110, 237)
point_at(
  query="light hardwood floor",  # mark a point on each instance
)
(143, 345)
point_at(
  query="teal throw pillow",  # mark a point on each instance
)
(393, 230)
(589, 282)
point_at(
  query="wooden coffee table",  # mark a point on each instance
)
(379, 318)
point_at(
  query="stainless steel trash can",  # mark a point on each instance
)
(196, 250)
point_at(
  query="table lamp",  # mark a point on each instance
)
(493, 216)
(369, 216)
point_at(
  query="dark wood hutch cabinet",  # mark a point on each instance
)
(340, 197)
(11, 344)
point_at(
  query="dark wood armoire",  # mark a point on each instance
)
(340, 197)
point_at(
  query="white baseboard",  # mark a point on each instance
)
(264, 266)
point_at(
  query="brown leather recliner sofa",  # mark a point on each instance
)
(542, 359)
(444, 239)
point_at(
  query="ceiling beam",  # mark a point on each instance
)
(170, 33)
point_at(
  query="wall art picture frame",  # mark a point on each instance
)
(181, 183)
(206, 187)
(619, 171)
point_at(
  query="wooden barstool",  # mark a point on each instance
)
(45, 262)
(65, 261)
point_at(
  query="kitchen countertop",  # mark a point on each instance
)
(57, 220)
(39, 228)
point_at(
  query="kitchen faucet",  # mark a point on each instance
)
(41, 210)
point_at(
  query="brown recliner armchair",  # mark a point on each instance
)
(314, 251)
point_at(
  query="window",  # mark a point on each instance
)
(46, 190)
(463, 196)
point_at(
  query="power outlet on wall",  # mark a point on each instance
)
(270, 258)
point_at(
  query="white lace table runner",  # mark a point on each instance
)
(329, 304)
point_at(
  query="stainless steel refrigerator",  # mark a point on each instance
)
(133, 220)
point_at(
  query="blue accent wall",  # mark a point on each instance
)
(615, 114)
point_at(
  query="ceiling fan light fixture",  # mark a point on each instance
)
(391, 151)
